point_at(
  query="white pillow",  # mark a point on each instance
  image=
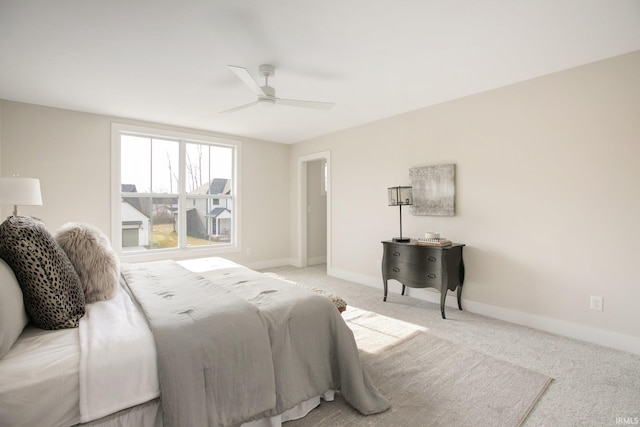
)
(93, 258)
(13, 317)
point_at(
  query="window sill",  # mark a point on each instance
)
(177, 254)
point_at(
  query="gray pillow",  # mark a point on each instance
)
(53, 297)
(93, 258)
(13, 318)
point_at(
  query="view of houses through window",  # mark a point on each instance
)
(175, 193)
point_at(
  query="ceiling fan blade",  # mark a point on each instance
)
(305, 104)
(241, 107)
(244, 75)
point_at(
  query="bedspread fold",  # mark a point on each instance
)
(312, 347)
(214, 355)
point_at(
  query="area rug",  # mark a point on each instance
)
(431, 381)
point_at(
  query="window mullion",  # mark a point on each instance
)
(182, 198)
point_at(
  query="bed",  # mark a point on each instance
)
(196, 342)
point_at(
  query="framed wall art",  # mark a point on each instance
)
(434, 190)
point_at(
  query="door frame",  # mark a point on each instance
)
(302, 205)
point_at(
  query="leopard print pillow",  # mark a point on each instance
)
(53, 296)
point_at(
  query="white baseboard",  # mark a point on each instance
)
(355, 277)
(317, 260)
(615, 340)
(259, 265)
(310, 261)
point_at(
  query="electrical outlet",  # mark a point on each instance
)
(596, 303)
(248, 251)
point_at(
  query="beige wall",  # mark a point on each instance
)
(1, 147)
(548, 197)
(547, 192)
(70, 153)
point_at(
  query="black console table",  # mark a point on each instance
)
(423, 266)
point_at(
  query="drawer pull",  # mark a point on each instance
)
(431, 276)
(396, 254)
(396, 269)
(431, 258)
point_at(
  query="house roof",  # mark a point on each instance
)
(219, 186)
(133, 201)
(135, 204)
(373, 59)
(128, 188)
(216, 186)
(215, 212)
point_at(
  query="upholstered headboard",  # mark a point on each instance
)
(13, 317)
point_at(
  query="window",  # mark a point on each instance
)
(173, 191)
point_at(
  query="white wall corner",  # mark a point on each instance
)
(317, 260)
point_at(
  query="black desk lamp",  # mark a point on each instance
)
(399, 196)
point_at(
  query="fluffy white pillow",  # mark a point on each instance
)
(93, 258)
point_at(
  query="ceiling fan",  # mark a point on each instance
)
(267, 94)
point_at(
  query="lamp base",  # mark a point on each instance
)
(401, 239)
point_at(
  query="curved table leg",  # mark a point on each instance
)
(443, 296)
(461, 274)
(385, 290)
(402, 289)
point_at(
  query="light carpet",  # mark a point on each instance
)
(431, 381)
(592, 385)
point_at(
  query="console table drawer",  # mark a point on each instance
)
(414, 276)
(413, 255)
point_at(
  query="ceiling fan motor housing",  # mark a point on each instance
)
(267, 70)
(269, 97)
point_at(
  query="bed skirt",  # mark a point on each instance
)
(149, 414)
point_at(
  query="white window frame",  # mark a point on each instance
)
(117, 129)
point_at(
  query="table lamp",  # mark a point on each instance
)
(399, 196)
(16, 191)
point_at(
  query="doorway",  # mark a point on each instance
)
(314, 209)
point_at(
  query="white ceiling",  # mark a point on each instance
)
(166, 61)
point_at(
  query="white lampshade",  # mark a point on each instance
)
(19, 191)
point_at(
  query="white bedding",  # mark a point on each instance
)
(39, 379)
(118, 366)
(46, 377)
(77, 375)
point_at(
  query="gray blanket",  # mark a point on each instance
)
(235, 345)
